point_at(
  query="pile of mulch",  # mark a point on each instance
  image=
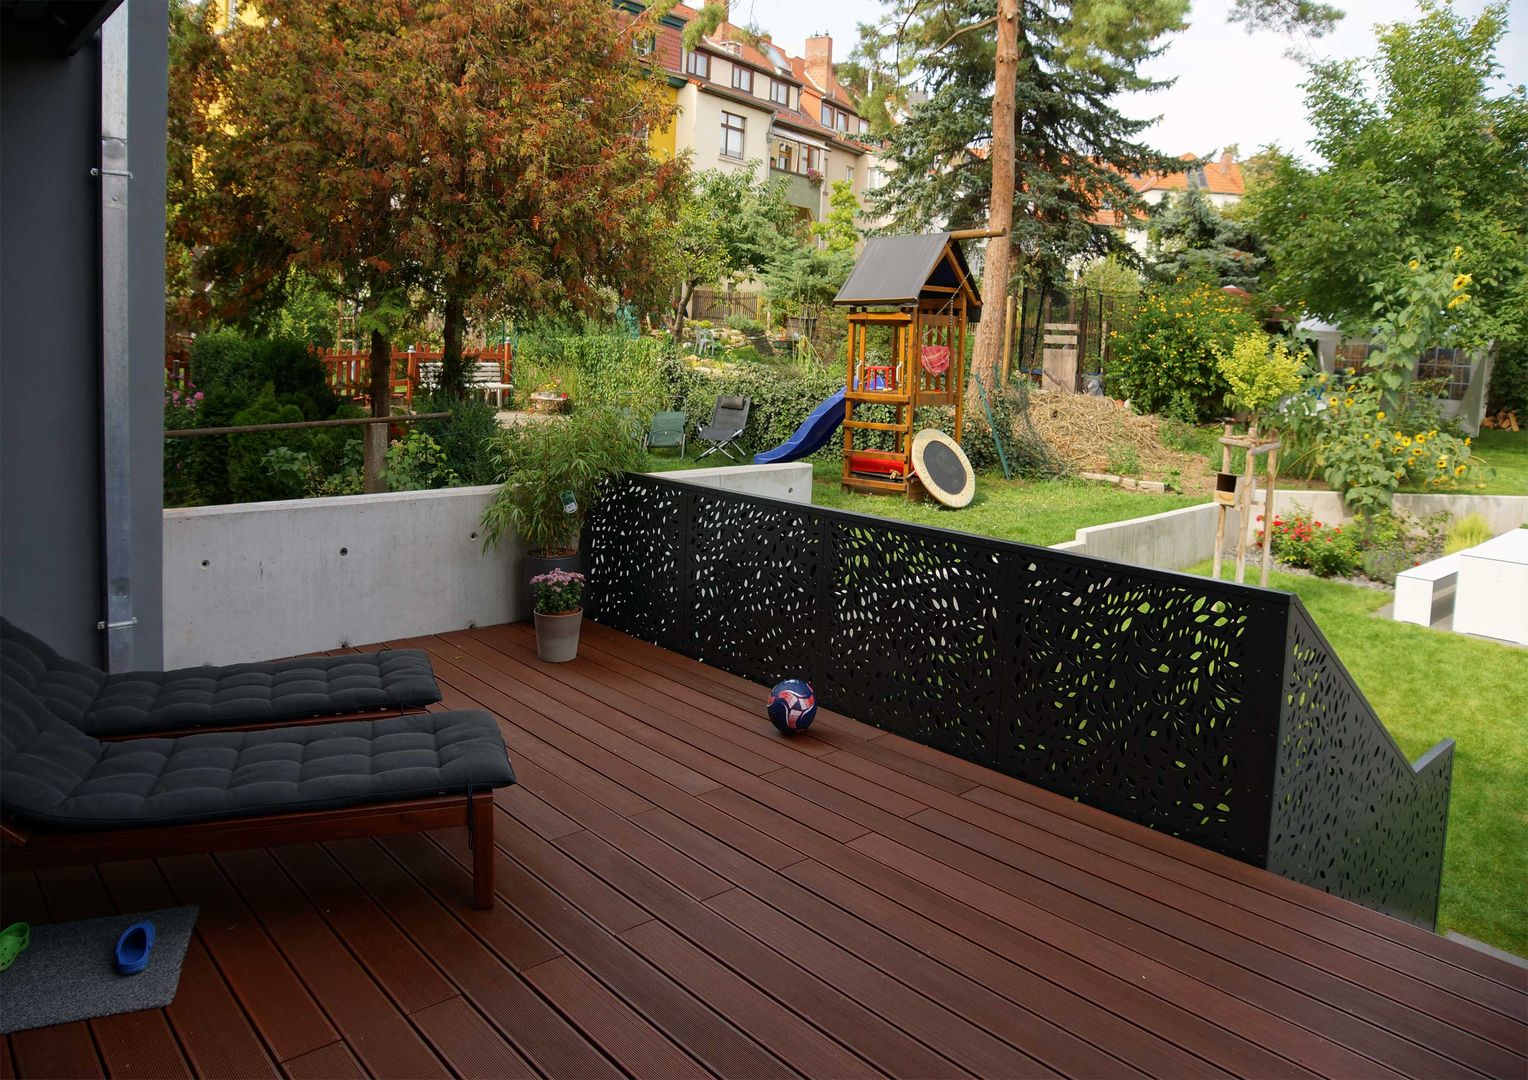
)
(1087, 432)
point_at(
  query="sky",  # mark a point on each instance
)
(1232, 87)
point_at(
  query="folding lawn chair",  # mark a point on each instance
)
(667, 430)
(728, 419)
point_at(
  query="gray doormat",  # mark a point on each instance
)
(66, 973)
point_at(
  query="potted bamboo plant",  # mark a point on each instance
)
(550, 474)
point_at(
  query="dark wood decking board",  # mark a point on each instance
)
(683, 893)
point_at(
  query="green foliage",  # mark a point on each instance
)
(1466, 533)
(839, 229)
(602, 370)
(1164, 362)
(538, 462)
(241, 365)
(463, 437)
(417, 463)
(1392, 541)
(1258, 376)
(1124, 460)
(1111, 276)
(1366, 452)
(1190, 238)
(250, 478)
(743, 324)
(1509, 378)
(1425, 155)
(1372, 434)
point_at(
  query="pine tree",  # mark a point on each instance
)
(1190, 238)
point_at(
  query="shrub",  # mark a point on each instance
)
(1256, 375)
(1324, 550)
(603, 370)
(1164, 362)
(250, 477)
(1392, 541)
(744, 324)
(1466, 533)
(1509, 378)
(464, 437)
(417, 463)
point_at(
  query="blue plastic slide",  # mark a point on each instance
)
(814, 431)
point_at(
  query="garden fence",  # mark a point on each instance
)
(1214, 712)
(1093, 314)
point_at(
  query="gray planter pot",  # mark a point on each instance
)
(540, 564)
(557, 636)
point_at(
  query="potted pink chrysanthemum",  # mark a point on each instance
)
(559, 614)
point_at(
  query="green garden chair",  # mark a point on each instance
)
(667, 430)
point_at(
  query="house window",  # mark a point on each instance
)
(780, 92)
(813, 159)
(742, 79)
(732, 135)
(697, 63)
(827, 115)
(644, 44)
(1352, 358)
(864, 127)
(785, 156)
(1449, 368)
(849, 174)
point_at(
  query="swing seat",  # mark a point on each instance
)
(936, 359)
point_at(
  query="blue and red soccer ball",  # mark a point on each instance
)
(792, 706)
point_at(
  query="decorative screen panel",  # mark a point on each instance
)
(1351, 815)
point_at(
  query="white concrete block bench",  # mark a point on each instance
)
(1422, 591)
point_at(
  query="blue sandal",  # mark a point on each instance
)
(134, 947)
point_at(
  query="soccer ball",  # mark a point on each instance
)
(792, 706)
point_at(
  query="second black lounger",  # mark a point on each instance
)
(148, 702)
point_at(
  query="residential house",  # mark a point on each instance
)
(742, 99)
(1220, 180)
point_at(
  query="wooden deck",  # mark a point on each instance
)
(684, 893)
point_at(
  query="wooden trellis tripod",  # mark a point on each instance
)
(1233, 491)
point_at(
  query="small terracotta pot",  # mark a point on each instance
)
(557, 635)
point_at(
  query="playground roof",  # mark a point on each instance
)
(900, 269)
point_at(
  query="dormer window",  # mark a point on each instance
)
(780, 92)
(836, 119)
(697, 63)
(742, 79)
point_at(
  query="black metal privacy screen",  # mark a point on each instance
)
(1211, 711)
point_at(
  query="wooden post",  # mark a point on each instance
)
(1273, 473)
(1244, 504)
(1220, 507)
(374, 459)
(1008, 339)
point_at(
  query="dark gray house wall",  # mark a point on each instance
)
(51, 471)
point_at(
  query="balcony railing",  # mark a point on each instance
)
(1214, 712)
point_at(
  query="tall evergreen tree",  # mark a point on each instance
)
(1191, 238)
(1018, 122)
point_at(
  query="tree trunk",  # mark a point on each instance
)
(381, 374)
(686, 290)
(986, 354)
(374, 441)
(453, 371)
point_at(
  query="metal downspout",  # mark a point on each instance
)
(114, 176)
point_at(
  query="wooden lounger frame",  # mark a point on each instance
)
(28, 849)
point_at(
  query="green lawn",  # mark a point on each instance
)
(1505, 454)
(1427, 685)
(1031, 512)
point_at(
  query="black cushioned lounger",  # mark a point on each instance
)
(68, 797)
(147, 702)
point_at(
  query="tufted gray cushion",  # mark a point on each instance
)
(139, 702)
(53, 773)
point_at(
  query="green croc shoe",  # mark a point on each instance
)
(13, 939)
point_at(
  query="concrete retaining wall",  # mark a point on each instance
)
(1181, 538)
(259, 580)
(791, 481)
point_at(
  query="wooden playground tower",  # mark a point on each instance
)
(910, 299)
